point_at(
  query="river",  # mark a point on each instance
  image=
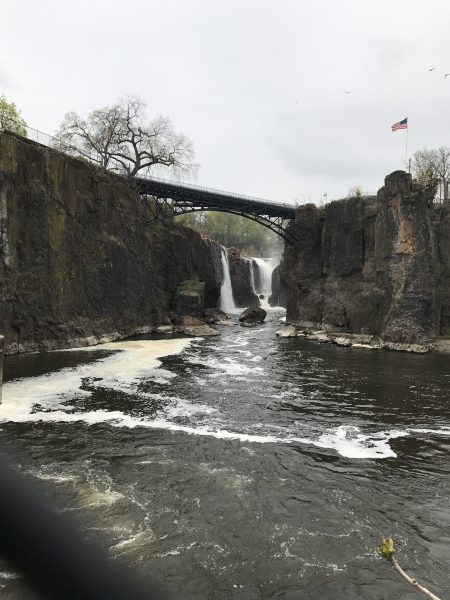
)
(243, 466)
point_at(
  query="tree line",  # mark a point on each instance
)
(232, 231)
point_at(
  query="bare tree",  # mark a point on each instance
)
(356, 191)
(123, 140)
(95, 136)
(432, 169)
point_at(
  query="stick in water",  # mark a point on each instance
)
(387, 551)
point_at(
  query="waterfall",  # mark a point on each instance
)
(265, 276)
(226, 301)
(252, 274)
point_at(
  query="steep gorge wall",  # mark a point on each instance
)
(376, 266)
(77, 258)
(240, 276)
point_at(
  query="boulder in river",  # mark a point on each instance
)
(189, 325)
(287, 331)
(252, 316)
(217, 316)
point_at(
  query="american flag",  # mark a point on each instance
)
(400, 125)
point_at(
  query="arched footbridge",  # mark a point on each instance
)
(167, 199)
(170, 199)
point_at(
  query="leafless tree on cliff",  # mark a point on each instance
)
(95, 136)
(432, 169)
(121, 139)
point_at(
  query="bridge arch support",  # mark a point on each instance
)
(168, 199)
(160, 212)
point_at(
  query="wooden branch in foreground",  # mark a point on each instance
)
(387, 550)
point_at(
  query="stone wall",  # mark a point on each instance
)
(377, 267)
(77, 259)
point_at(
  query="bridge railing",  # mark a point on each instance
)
(56, 143)
(50, 141)
(213, 190)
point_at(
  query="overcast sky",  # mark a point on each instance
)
(257, 85)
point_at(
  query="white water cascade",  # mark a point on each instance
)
(252, 273)
(226, 302)
(265, 268)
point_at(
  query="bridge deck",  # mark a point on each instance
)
(184, 192)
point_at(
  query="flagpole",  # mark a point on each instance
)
(406, 149)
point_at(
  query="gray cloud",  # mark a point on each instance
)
(257, 85)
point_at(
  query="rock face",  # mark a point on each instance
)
(243, 293)
(189, 298)
(192, 326)
(278, 296)
(377, 267)
(78, 263)
(216, 316)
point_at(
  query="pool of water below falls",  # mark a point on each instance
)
(243, 466)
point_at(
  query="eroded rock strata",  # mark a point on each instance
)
(240, 266)
(372, 270)
(78, 262)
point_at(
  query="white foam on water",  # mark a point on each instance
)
(178, 550)
(348, 441)
(55, 478)
(48, 398)
(132, 541)
(228, 367)
(8, 575)
(28, 399)
(98, 498)
(445, 430)
(182, 408)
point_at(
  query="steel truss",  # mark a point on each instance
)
(166, 200)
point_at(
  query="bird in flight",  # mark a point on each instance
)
(346, 92)
(446, 75)
(432, 69)
(297, 101)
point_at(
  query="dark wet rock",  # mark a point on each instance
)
(240, 265)
(163, 329)
(375, 266)
(189, 325)
(78, 260)
(215, 315)
(278, 296)
(252, 316)
(189, 298)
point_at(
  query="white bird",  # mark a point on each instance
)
(345, 92)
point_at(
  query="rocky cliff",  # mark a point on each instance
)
(78, 261)
(278, 296)
(240, 266)
(376, 267)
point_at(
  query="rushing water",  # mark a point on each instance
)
(243, 466)
(226, 291)
(265, 268)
